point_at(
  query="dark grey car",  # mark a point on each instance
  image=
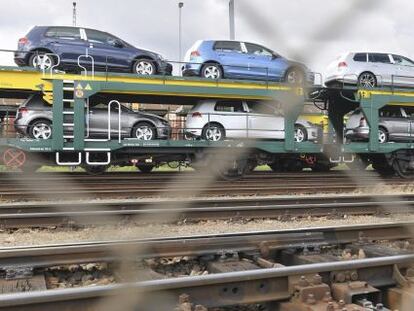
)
(395, 124)
(34, 119)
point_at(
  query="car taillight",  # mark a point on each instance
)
(342, 65)
(362, 122)
(23, 110)
(196, 115)
(195, 54)
(23, 40)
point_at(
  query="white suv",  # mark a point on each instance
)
(217, 120)
(369, 70)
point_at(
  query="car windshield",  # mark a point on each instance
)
(403, 61)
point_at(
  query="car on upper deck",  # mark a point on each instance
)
(59, 47)
(217, 59)
(369, 70)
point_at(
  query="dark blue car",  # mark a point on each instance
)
(216, 59)
(41, 45)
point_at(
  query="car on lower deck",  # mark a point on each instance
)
(217, 59)
(45, 47)
(395, 124)
(221, 119)
(34, 119)
(369, 70)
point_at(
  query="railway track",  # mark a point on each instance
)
(280, 263)
(98, 212)
(67, 186)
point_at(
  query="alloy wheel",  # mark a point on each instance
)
(211, 72)
(42, 61)
(144, 132)
(367, 80)
(144, 68)
(42, 131)
(214, 134)
(299, 135)
(382, 136)
(294, 77)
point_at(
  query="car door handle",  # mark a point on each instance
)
(252, 57)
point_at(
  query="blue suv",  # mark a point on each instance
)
(242, 60)
(41, 45)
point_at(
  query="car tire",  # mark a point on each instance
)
(145, 168)
(144, 67)
(144, 131)
(213, 132)
(40, 129)
(382, 135)
(295, 76)
(36, 59)
(301, 134)
(367, 80)
(211, 71)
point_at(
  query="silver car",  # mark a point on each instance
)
(218, 120)
(34, 119)
(395, 124)
(370, 70)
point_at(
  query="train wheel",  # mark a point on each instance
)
(384, 170)
(403, 168)
(95, 169)
(145, 168)
(235, 170)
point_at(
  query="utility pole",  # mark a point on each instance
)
(180, 6)
(231, 20)
(74, 14)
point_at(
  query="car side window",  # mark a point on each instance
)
(403, 61)
(379, 58)
(260, 107)
(98, 36)
(391, 112)
(360, 57)
(63, 33)
(258, 50)
(227, 46)
(229, 106)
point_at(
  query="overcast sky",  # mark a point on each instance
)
(314, 31)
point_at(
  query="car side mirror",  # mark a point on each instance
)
(117, 43)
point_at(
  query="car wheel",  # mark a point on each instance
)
(295, 76)
(213, 132)
(145, 67)
(211, 71)
(41, 60)
(367, 80)
(144, 131)
(300, 134)
(382, 136)
(41, 129)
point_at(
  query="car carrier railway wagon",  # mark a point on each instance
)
(71, 95)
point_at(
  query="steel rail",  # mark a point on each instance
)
(88, 296)
(36, 214)
(108, 251)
